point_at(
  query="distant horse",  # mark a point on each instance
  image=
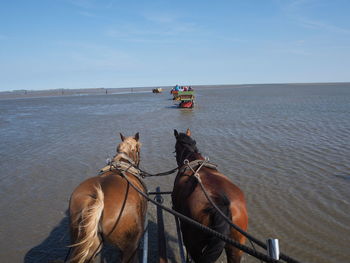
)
(189, 199)
(106, 208)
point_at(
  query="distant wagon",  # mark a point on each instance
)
(175, 91)
(186, 98)
(157, 90)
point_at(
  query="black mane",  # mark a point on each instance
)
(185, 146)
(188, 142)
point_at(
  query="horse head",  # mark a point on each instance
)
(130, 146)
(185, 146)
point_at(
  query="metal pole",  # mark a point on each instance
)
(273, 249)
(180, 240)
(145, 242)
(161, 236)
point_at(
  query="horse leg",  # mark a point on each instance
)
(233, 254)
(127, 241)
(130, 254)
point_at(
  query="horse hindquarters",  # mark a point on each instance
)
(215, 245)
(207, 248)
(85, 226)
(123, 215)
(240, 218)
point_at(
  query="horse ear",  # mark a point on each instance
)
(122, 137)
(176, 133)
(137, 137)
(188, 132)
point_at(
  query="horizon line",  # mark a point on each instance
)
(194, 85)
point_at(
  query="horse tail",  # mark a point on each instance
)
(87, 243)
(214, 246)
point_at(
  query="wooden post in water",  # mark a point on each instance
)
(273, 249)
(162, 255)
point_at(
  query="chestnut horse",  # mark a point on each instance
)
(106, 208)
(189, 199)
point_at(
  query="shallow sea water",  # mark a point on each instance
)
(286, 146)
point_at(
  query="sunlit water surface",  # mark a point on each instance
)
(286, 146)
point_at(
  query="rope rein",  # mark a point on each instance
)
(145, 174)
(250, 237)
(191, 165)
(116, 165)
(230, 241)
(130, 167)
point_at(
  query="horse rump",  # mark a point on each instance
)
(214, 245)
(85, 227)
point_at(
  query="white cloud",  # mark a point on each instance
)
(320, 25)
(296, 10)
(150, 32)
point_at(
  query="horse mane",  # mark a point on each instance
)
(128, 144)
(188, 142)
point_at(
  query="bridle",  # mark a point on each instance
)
(124, 161)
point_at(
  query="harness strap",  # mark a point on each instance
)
(208, 230)
(194, 165)
(118, 164)
(123, 163)
(123, 155)
(123, 166)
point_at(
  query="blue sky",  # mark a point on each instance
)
(66, 44)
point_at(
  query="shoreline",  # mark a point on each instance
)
(23, 94)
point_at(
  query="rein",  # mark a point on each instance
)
(146, 174)
(190, 166)
(131, 167)
(228, 240)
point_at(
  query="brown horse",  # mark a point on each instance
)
(189, 199)
(106, 208)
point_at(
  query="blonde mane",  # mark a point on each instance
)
(129, 146)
